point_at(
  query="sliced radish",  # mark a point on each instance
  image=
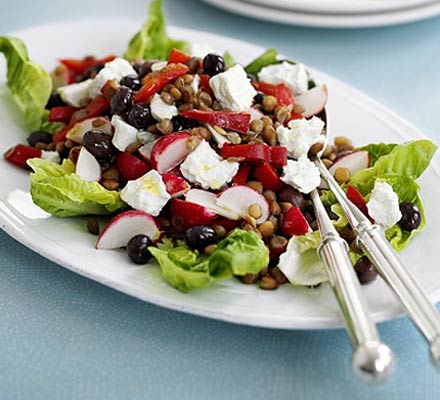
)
(76, 133)
(176, 186)
(313, 101)
(354, 162)
(238, 199)
(209, 200)
(169, 151)
(130, 167)
(146, 149)
(124, 226)
(294, 222)
(87, 167)
(255, 114)
(186, 214)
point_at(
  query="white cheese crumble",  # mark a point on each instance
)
(147, 193)
(76, 93)
(158, 66)
(124, 135)
(195, 83)
(383, 205)
(145, 137)
(205, 167)
(53, 156)
(161, 110)
(233, 89)
(294, 76)
(113, 70)
(300, 135)
(302, 175)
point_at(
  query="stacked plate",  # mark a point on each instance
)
(334, 13)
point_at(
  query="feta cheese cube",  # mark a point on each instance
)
(124, 135)
(300, 135)
(53, 156)
(294, 76)
(158, 66)
(76, 93)
(233, 89)
(113, 70)
(205, 167)
(161, 110)
(383, 205)
(147, 193)
(302, 174)
(195, 84)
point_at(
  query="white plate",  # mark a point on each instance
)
(66, 242)
(322, 20)
(342, 6)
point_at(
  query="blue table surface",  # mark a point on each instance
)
(65, 337)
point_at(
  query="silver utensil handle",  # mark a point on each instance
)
(372, 360)
(390, 267)
(411, 295)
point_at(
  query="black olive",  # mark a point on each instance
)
(411, 217)
(213, 64)
(365, 270)
(137, 249)
(121, 100)
(39, 137)
(99, 144)
(140, 117)
(143, 68)
(55, 100)
(291, 195)
(258, 98)
(131, 81)
(181, 123)
(198, 237)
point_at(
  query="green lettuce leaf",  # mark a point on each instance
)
(240, 253)
(30, 84)
(409, 159)
(152, 41)
(229, 60)
(269, 57)
(377, 150)
(59, 191)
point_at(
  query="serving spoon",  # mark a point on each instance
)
(372, 360)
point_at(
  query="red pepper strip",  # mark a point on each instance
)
(80, 66)
(269, 177)
(236, 121)
(19, 154)
(281, 92)
(177, 56)
(241, 177)
(248, 152)
(95, 108)
(61, 114)
(169, 74)
(293, 115)
(204, 84)
(357, 199)
(278, 156)
(228, 224)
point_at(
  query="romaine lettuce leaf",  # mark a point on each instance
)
(152, 41)
(30, 84)
(229, 60)
(269, 57)
(59, 191)
(408, 159)
(377, 150)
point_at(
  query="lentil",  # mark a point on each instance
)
(220, 230)
(278, 243)
(194, 63)
(255, 211)
(315, 149)
(205, 99)
(274, 208)
(93, 226)
(342, 175)
(233, 137)
(341, 141)
(167, 98)
(327, 162)
(201, 132)
(210, 248)
(110, 184)
(270, 195)
(74, 154)
(278, 275)
(165, 126)
(248, 279)
(257, 126)
(269, 103)
(268, 283)
(267, 228)
(282, 114)
(256, 185)
(41, 145)
(111, 173)
(269, 135)
(285, 206)
(176, 93)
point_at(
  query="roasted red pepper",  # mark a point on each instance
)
(61, 114)
(241, 177)
(204, 84)
(177, 56)
(233, 120)
(281, 92)
(268, 176)
(169, 74)
(278, 156)
(79, 66)
(19, 154)
(248, 152)
(293, 115)
(357, 199)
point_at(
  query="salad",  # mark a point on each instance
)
(201, 163)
